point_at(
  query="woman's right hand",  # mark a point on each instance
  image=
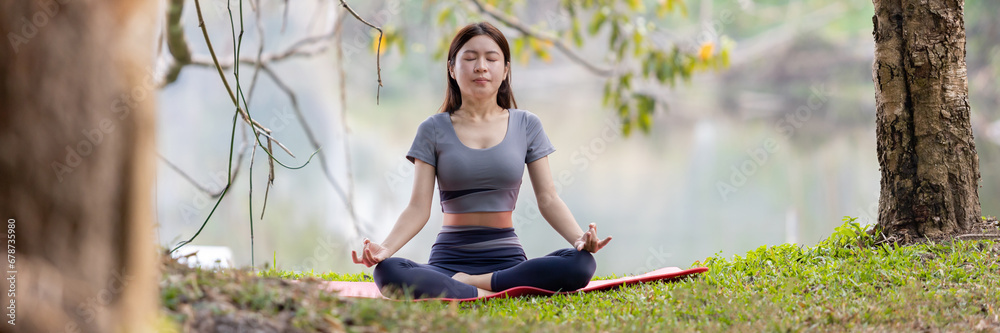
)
(371, 255)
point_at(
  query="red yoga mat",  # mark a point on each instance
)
(369, 290)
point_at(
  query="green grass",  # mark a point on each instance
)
(846, 282)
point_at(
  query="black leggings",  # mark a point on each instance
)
(562, 270)
(481, 250)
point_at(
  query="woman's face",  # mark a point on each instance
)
(479, 68)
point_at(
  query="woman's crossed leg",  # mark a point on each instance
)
(562, 270)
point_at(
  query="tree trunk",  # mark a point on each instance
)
(930, 170)
(76, 164)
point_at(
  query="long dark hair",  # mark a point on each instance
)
(452, 94)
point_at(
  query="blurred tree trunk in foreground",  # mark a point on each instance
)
(77, 164)
(930, 170)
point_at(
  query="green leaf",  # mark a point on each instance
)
(542, 52)
(637, 39)
(620, 52)
(667, 6)
(626, 127)
(635, 5)
(575, 32)
(623, 111)
(615, 35)
(626, 81)
(688, 69)
(625, 115)
(517, 48)
(663, 70)
(539, 48)
(599, 18)
(401, 44)
(664, 8)
(649, 64)
(645, 105)
(444, 15)
(607, 92)
(727, 44)
(681, 6)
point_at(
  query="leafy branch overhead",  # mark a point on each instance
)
(181, 56)
(637, 67)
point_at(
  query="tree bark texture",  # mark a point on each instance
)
(929, 166)
(77, 163)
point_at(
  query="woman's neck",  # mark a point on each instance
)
(479, 109)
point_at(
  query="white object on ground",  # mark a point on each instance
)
(205, 256)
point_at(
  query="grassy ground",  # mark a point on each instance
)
(848, 282)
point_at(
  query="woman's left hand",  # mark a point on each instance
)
(589, 241)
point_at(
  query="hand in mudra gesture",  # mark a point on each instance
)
(371, 255)
(590, 242)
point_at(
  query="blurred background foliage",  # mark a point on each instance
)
(755, 123)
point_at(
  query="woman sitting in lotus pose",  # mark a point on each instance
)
(477, 147)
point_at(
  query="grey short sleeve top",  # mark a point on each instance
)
(480, 180)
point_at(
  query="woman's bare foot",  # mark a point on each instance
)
(482, 281)
(484, 292)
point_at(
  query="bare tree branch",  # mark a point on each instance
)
(293, 99)
(260, 51)
(284, 17)
(253, 84)
(215, 60)
(314, 45)
(513, 22)
(351, 10)
(306, 47)
(210, 193)
(270, 181)
(263, 65)
(250, 197)
(176, 40)
(213, 194)
(378, 51)
(342, 78)
(257, 127)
